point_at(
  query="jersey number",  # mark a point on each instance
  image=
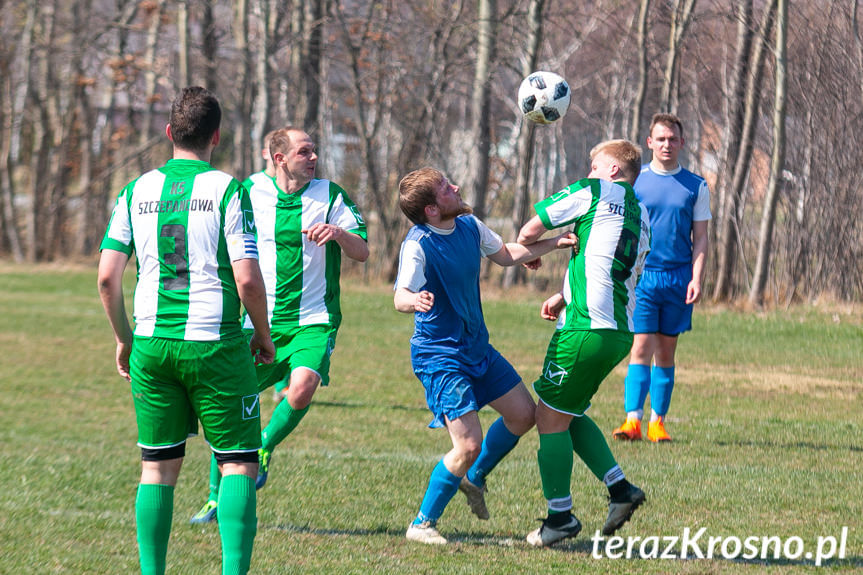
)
(624, 255)
(176, 258)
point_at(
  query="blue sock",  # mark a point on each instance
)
(497, 443)
(661, 385)
(442, 487)
(635, 387)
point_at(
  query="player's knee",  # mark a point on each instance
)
(521, 422)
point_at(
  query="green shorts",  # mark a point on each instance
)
(175, 383)
(307, 346)
(575, 364)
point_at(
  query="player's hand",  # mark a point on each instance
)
(263, 350)
(122, 356)
(321, 233)
(424, 301)
(567, 240)
(533, 264)
(552, 307)
(693, 292)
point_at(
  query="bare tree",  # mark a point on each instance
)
(480, 138)
(680, 19)
(641, 90)
(777, 165)
(729, 232)
(526, 138)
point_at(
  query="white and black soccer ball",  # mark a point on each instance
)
(543, 97)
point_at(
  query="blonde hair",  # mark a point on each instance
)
(627, 155)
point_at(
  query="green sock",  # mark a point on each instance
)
(238, 523)
(555, 468)
(285, 418)
(154, 509)
(590, 445)
(215, 479)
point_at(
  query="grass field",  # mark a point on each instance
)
(766, 421)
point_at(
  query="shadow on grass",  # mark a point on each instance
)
(580, 546)
(358, 404)
(791, 445)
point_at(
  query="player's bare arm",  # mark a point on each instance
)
(111, 266)
(407, 301)
(699, 255)
(515, 253)
(253, 294)
(352, 245)
(531, 231)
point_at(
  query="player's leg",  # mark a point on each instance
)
(676, 318)
(661, 386)
(308, 352)
(466, 435)
(645, 320)
(154, 506)
(513, 401)
(207, 513)
(165, 419)
(237, 506)
(555, 470)
(226, 400)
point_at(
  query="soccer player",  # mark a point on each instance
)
(678, 202)
(192, 230)
(305, 225)
(594, 331)
(263, 194)
(438, 281)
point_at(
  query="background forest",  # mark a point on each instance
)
(770, 93)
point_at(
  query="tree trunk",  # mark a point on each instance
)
(242, 106)
(730, 231)
(150, 77)
(777, 164)
(480, 106)
(680, 20)
(183, 75)
(512, 274)
(641, 90)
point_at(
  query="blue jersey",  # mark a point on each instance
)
(674, 200)
(455, 325)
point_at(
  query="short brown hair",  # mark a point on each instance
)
(669, 120)
(195, 118)
(627, 154)
(280, 140)
(417, 190)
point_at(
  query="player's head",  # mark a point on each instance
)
(665, 140)
(615, 160)
(293, 151)
(195, 119)
(426, 192)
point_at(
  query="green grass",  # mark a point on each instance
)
(766, 423)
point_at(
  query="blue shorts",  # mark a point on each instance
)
(660, 302)
(454, 388)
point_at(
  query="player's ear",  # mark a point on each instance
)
(216, 137)
(168, 132)
(431, 210)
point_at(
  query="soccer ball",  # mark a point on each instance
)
(543, 97)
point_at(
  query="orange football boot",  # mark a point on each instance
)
(656, 431)
(629, 431)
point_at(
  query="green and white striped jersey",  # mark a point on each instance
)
(264, 194)
(613, 230)
(186, 223)
(306, 290)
